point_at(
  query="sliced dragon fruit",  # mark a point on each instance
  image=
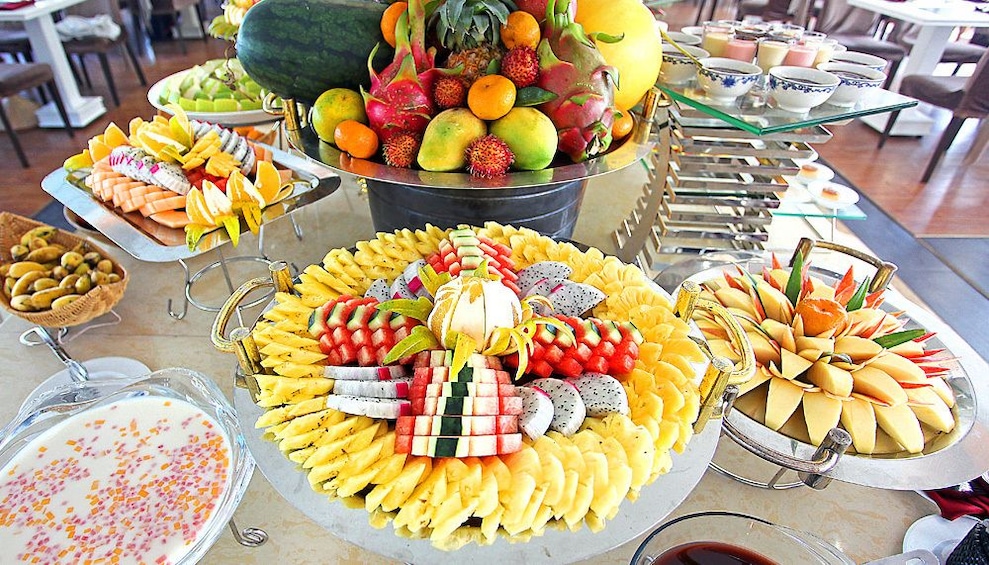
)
(380, 290)
(385, 408)
(400, 289)
(537, 411)
(536, 272)
(568, 408)
(602, 394)
(345, 373)
(411, 277)
(394, 388)
(568, 298)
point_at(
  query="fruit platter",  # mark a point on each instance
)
(481, 391)
(462, 94)
(217, 91)
(839, 349)
(175, 187)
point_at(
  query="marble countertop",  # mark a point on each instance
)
(865, 523)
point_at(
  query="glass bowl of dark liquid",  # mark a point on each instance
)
(731, 538)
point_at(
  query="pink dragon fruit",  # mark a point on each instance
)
(572, 68)
(401, 96)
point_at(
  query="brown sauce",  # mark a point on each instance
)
(711, 553)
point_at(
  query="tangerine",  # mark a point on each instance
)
(820, 315)
(491, 97)
(520, 30)
(389, 19)
(356, 139)
(623, 125)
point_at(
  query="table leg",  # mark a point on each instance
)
(927, 50)
(48, 49)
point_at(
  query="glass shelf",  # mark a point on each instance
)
(755, 112)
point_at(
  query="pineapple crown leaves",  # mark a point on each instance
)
(466, 24)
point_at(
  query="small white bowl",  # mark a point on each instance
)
(724, 80)
(677, 68)
(798, 89)
(857, 82)
(683, 38)
(857, 58)
(697, 31)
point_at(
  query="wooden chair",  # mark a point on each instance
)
(18, 77)
(859, 30)
(101, 46)
(175, 8)
(966, 97)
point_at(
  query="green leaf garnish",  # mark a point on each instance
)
(419, 339)
(896, 338)
(793, 283)
(417, 309)
(858, 299)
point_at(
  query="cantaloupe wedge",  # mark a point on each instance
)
(900, 368)
(792, 365)
(837, 381)
(930, 409)
(774, 302)
(782, 333)
(782, 401)
(901, 424)
(822, 413)
(879, 385)
(859, 419)
(765, 352)
(858, 348)
(735, 298)
(813, 346)
(760, 376)
(177, 219)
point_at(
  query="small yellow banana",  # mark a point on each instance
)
(64, 300)
(25, 282)
(43, 232)
(46, 254)
(44, 284)
(19, 252)
(42, 300)
(71, 260)
(23, 303)
(21, 268)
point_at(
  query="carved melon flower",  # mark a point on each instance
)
(827, 356)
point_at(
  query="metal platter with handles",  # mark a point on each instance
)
(655, 501)
(947, 460)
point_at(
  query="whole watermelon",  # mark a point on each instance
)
(300, 48)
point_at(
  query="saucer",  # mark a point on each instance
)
(938, 535)
(823, 173)
(845, 196)
(101, 368)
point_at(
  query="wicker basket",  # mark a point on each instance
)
(93, 304)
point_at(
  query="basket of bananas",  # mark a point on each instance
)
(53, 278)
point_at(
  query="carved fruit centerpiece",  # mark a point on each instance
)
(828, 356)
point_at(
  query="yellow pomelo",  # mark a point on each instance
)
(334, 106)
(637, 56)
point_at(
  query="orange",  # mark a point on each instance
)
(491, 97)
(356, 138)
(390, 18)
(623, 125)
(520, 30)
(820, 315)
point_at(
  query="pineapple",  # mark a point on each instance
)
(470, 29)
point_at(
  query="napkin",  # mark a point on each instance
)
(15, 4)
(971, 498)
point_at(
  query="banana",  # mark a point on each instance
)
(4, 268)
(37, 243)
(19, 269)
(44, 283)
(69, 281)
(24, 303)
(92, 258)
(82, 284)
(71, 260)
(65, 300)
(113, 278)
(25, 282)
(43, 232)
(99, 277)
(8, 286)
(105, 266)
(42, 300)
(19, 252)
(46, 254)
(83, 269)
(60, 272)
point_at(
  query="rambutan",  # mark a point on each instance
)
(450, 92)
(400, 149)
(488, 156)
(521, 66)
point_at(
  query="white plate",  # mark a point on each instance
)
(813, 157)
(99, 369)
(937, 535)
(823, 173)
(846, 196)
(242, 118)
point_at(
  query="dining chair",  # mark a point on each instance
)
(860, 30)
(957, 53)
(14, 41)
(18, 77)
(101, 46)
(175, 8)
(966, 97)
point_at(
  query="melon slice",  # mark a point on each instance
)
(784, 398)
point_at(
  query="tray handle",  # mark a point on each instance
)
(280, 278)
(719, 385)
(884, 269)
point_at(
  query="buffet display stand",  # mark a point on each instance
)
(717, 175)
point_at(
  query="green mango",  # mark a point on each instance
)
(446, 139)
(531, 136)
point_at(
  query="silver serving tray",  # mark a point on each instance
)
(948, 460)
(630, 149)
(149, 241)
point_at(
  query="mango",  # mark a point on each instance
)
(531, 136)
(446, 139)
